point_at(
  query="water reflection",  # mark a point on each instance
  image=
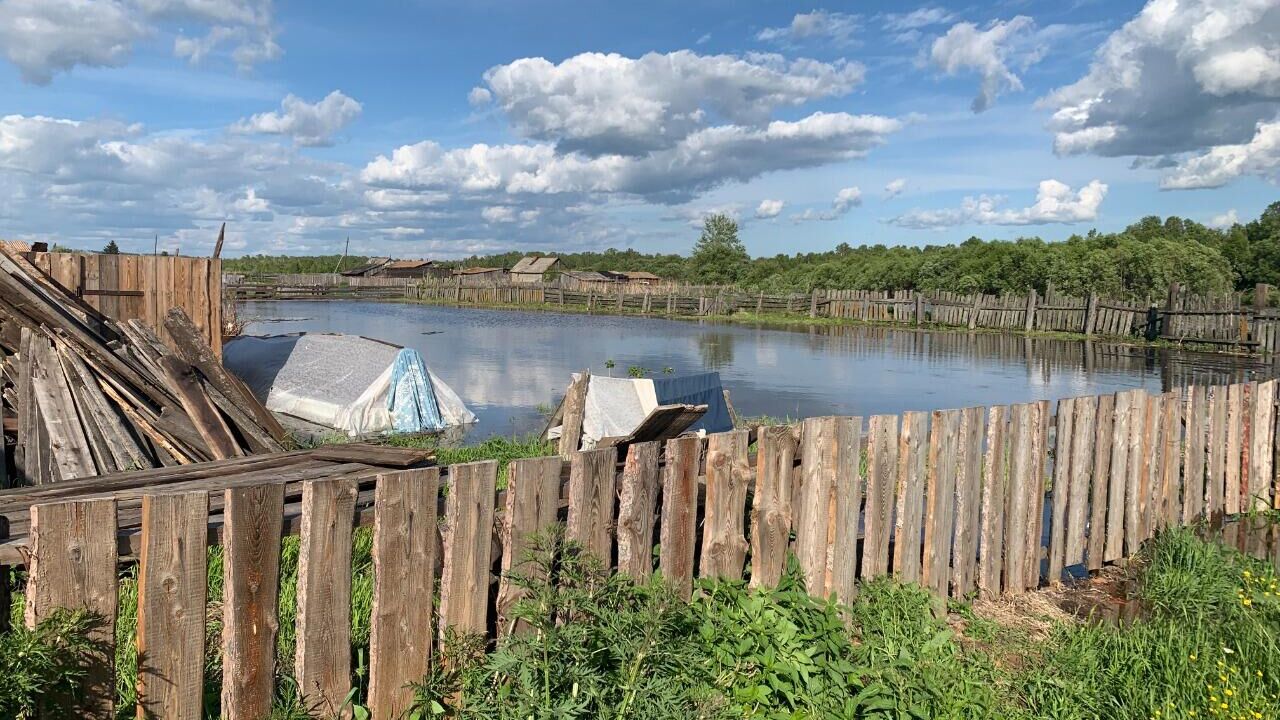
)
(505, 364)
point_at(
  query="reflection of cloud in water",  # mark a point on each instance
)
(505, 364)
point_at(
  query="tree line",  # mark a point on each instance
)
(1138, 262)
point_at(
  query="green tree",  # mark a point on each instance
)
(111, 249)
(719, 257)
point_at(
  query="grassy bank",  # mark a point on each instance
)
(1206, 646)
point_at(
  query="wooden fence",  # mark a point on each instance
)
(978, 501)
(143, 287)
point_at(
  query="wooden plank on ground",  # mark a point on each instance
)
(771, 506)
(842, 461)
(994, 493)
(404, 563)
(940, 498)
(1100, 482)
(67, 443)
(679, 517)
(252, 521)
(968, 498)
(637, 508)
(882, 474)
(73, 566)
(913, 449)
(1063, 439)
(468, 547)
(532, 502)
(322, 660)
(171, 606)
(184, 382)
(1262, 450)
(575, 405)
(1083, 436)
(724, 537)
(591, 497)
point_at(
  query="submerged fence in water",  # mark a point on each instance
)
(1180, 317)
(984, 500)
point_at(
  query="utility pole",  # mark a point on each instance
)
(344, 255)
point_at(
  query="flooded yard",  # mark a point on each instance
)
(507, 365)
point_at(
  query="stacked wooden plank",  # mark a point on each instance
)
(93, 396)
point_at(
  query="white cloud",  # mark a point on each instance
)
(703, 39)
(309, 124)
(845, 200)
(988, 52)
(252, 204)
(1225, 220)
(1195, 76)
(499, 214)
(1224, 163)
(769, 209)
(894, 188)
(479, 97)
(610, 104)
(1055, 202)
(835, 27)
(43, 37)
(703, 160)
(916, 19)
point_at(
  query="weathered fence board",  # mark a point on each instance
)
(532, 505)
(771, 507)
(913, 450)
(940, 498)
(467, 542)
(591, 497)
(171, 605)
(678, 531)
(724, 532)
(841, 461)
(1196, 416)
(404, 564)
(254, 517)
(968, 527)
(1064, 437)
(323, 653)
(637, 509)
(994, 492)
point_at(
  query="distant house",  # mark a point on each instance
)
(480, 275)
(369, 268)
(413, 269)
(638, 277)
(532, 268)
(584, 280)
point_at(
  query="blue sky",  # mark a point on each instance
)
(441, 129)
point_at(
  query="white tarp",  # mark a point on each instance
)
(615, 407)
(346, 382)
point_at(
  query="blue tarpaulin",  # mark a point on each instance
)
(700, 389)
(412, 401)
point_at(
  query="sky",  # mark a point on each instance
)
(445, 129)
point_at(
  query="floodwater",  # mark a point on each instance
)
(507, 365)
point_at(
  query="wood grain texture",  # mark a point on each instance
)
(1170, 475)
(637, 509)
(1135, 475)
(994, 492)
(1215, 480)
(404, 564)
(724, 536)
(575, 405)
(1018, 523)
(841, 460)
(677, 537)
(253, 518)
(771, 506)
(591, 497)
(1262, 445)
(468, 546)
(813, 493)
(913, 453)
(1036, 551)
(882, 473)
(1079, 477)
(1100, 482)
(1063, 439)
(171, 606)
(532, 504)
(1195, 421)
(1234, 438)
(1118, 477)
(940, 499)
(968, 524)
(73, 566)
(322, 660)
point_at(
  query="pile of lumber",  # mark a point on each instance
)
(91, 396)
(356, 461)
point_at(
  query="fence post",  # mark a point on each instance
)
(919, 308)
(1091, 313)
(1030, 322)
(1261, 293)
(973, 312)
(813, 303)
